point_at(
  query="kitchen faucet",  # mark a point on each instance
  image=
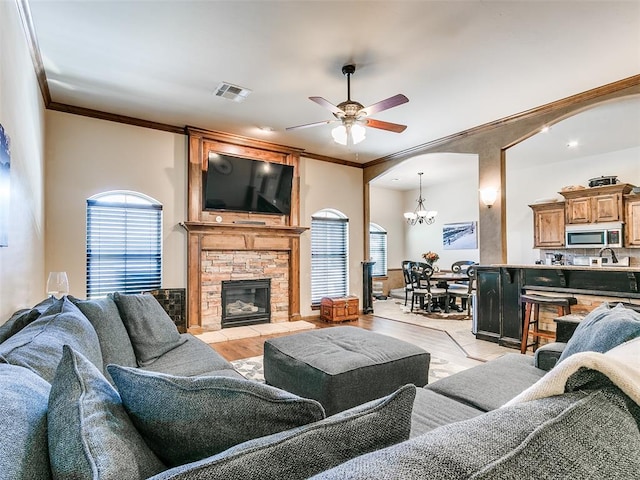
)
(614, 259)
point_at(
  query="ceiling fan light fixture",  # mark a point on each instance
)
(339, 134)
(348, 135)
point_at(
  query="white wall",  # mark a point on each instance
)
(86, 156)
(22, 116)
(527, 182)
(385, 205)
(329, 185)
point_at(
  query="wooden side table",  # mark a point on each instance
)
(340, 309)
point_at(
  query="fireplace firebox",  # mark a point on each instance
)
(246, 302)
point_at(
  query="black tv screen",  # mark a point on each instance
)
(245, 185)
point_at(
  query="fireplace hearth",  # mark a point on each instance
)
(246, 302)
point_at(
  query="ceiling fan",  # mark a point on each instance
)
(353, 116)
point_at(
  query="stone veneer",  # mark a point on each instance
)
(217, 266)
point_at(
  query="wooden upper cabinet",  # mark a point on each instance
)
(548, 224)
(632, 226)
(596, 204)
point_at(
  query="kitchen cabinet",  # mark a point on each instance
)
(498, 315)
(548, 224)
(632, 217)
(596, 204)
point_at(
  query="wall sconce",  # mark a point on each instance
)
(488, 196)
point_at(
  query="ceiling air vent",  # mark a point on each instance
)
(232, 92)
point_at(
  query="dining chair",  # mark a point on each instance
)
(407, 266)
(465, 292)
(424, 291)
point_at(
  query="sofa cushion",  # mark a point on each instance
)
(432, 410)
(189, 418)
(575, 435)
(151, 330)
(193, 357)
(492, 384)
(17, 322)
(602, 329)
(23, 430)
(114, 340)
(38, 346)
(310, 449)
(90, 434)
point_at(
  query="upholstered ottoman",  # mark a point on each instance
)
(342, 367)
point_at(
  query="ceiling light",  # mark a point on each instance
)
(348, 134)
(420, 214)
(572, 144)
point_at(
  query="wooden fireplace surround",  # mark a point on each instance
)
(227, 231)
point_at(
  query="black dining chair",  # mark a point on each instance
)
(424, 291)
(465, 292)
(407, 266)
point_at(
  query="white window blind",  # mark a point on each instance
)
(378, 250)
(329, 258)
(124, 245)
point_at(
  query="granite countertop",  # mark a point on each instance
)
(612, 268)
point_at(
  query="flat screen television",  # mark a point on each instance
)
(246, 185)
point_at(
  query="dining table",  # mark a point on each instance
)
(444, 277)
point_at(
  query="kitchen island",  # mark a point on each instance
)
(498, 309)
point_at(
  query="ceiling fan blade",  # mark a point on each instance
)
(326, 104)
(385, 104)
(391, 127)
(314, 124)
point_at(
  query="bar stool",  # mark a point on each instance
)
(534, 301)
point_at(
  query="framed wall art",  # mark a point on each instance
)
(5, 167)
(460, 236)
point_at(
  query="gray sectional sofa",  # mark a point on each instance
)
(109, 389)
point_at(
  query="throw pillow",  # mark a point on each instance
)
(24, 454)
(602, 329)
(189, 418)
(90, 434)
(38, 346)
(50, 305)
(584, 434)
(114, 340)
(17, 322)
(151, 330)
(311, 449)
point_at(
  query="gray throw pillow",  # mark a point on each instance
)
(188, 418)
(151, 330)
(90, 434)
(310, 449)
(114, 340)
(578, 435)
(17, 322)
(38, 346)
(602, 329)
(24, 454)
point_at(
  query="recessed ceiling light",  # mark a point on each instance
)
(395, 179)
(572, 144)
(545, 129)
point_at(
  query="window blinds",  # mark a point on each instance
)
(378, 253)
(124, 247)
(329, 259)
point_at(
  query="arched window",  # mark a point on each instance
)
(378, 250)
(329, 255)
(124, 243)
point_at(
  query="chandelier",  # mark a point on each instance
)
(421, 214)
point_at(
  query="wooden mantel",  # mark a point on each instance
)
(212, 230)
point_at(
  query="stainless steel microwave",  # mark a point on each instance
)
(594, 235)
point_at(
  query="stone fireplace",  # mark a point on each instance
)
(227, 246)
